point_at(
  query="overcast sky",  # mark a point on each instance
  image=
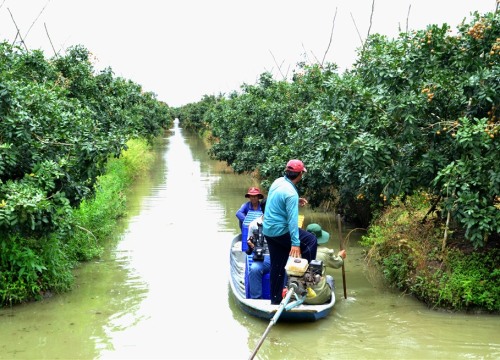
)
(184, 49)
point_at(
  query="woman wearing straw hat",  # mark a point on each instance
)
(253, 205)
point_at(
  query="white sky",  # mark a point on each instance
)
(184, 49)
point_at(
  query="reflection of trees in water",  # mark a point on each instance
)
(227, 187)
(109, 294)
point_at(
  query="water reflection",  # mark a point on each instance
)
(67, 326)
(177, 245)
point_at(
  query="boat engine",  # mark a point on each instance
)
(303, 276)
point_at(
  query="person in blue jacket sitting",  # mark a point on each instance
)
(259, 266)
(253, 205)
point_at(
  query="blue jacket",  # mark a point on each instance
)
(282, 210)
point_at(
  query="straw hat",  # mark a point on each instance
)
(254, 191)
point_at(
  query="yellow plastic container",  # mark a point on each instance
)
(296, 266)
(301, 221)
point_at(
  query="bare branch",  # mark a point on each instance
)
(359, 35)
(369, 27)
(50, 40)
(313, 55)
(317, 60)
(279, 67)
(305, 53)
(63, 47)
(371, 19)
(407, 18)
(87, 230)
(43, 141)
(18, 31)
(447, 226)
(331, 36)
(287, 71)
(34, 21)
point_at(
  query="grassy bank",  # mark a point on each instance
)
(434, 264)
(32, 268)
(96, 218)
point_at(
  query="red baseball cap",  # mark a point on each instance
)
(296, 166)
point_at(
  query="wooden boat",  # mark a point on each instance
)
(262, 308)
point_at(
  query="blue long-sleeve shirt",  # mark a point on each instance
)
(243, 211)
(282, 210)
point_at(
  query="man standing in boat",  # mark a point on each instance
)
(280, 228)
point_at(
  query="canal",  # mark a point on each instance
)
(161, 289)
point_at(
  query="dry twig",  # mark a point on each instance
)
(408, 17)
(18, 31)
(279, 66)
(357, 30)
(34, 21)
(50, 40)
(371, 22)
(331, 36)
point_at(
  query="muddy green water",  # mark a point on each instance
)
(161, 290)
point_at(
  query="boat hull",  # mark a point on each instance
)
(262, 308)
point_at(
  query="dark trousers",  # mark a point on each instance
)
(279, 251)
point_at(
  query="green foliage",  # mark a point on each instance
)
(193, 116)
(31, 268)
(416, 120)
(396, 269)
(255, 130)
(26, 207)
(472, 181)
(408, 254)
(471, 281)
(60, 124)
(375, 235)
(35, 266)
(448, 88)
(95, 219)
(137, 159)
(418, 112)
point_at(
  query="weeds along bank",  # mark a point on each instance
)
(33, 268)
(418, 254)
(68, 137)
(418, 114)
